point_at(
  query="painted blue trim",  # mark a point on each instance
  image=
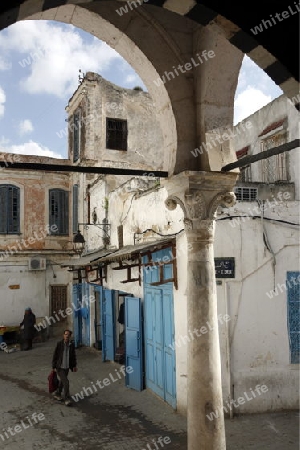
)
(293, 315)
(134, 378)
(160, 357)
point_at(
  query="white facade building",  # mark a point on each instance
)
(256, 251)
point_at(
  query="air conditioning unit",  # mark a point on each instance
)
(37, 263)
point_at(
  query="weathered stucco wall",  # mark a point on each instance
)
(97, 99)
(254, 342)
(19, 286)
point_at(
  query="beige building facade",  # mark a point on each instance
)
(35, 237)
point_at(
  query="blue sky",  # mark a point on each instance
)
(39, 68)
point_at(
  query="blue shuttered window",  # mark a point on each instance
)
(59, 211)
(75, 208)
(293, 298)
(9, 209)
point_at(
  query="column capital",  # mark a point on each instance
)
(199, 194)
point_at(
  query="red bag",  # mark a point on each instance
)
(52, 381)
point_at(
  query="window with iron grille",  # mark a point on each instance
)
(59, 211)
(9, 209)
(245, 172)
(245, 194)
(274, 168)
(58, 300)
(76, 136)
(116, 134)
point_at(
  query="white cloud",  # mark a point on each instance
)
(25, 126)
(131, 78)
(52, 54)
(255, 89)
(249, 101)
(4, 65)
(2, 101)
(30, 148)
(4, 141)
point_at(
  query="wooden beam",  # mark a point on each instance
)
(82, 169)
(246, 160)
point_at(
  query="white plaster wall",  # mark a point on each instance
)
(138, 211)
(34, 290)
(258, 334)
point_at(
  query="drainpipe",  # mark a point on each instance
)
(88, 195)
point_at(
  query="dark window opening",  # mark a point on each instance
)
(116, 134)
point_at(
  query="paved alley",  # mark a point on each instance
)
(107, 415)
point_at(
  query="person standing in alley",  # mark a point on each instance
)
(28, 323)
(64, 359)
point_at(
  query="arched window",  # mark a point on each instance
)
(59, 211)
(9, 209)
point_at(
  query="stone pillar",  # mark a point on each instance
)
(199, 194)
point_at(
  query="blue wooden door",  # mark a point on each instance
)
(168, 353)
(134, 343)
(154, 340)
(77, 321)
(85, 314)
(159, 332)
(108, 325)
(98, 324)
(293, 300)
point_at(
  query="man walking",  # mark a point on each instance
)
(64, 359)
(29, 330)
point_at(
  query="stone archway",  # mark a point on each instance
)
(186, 106)
(158, 36)
(156, 41)
(234, 22)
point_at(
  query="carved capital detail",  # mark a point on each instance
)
(225, 199)
(171, 203)
(199, 194)
(195, 204)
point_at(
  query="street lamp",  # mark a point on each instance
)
(78, 243)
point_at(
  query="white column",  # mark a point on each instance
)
(199, 194)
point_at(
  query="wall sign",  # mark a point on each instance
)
(225, 267)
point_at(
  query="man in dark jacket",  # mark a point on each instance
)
(29, 330)
(64, 359)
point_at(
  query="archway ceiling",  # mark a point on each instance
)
(281, 39)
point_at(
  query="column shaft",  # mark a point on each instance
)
(204, 365)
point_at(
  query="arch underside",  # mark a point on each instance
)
(153, 43)
(234, 20)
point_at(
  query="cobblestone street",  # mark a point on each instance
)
(112, 417)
